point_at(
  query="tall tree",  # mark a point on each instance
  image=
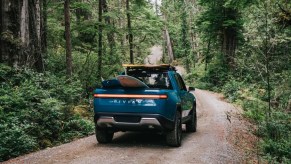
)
(221, 20)
(184, 41)
(10, 28)
(100, 38)
(167, 37)
(130, 35)
(120, 24)
(44, 27)
(2, 23)
(34, 32)
(20, 33)
(169, 45)
(68, 39)
(110, 25)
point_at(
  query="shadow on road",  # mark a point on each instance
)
(142, 139)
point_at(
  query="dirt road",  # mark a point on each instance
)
(210, 144)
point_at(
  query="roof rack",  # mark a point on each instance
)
(159, 67)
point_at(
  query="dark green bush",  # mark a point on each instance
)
(277, 136)
(217, 74)
(35, 111)
(231, 89)
(278, 150)
(14, 140)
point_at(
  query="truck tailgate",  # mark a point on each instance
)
(132, 101)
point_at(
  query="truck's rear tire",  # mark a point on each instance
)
(191, 125)
(103, 136)
(173, 137)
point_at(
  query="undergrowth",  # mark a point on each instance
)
(273, 126)
(38, 111)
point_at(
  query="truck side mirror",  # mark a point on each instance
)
(191, 89)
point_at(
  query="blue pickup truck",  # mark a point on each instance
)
(158, 101)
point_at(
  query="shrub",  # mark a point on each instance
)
(35, 111)
(278, 150)
(14, 140)
(231, 89)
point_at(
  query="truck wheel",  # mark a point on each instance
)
(103, 136)
(173, 138)
(191, 125)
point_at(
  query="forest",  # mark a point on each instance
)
(54, 52)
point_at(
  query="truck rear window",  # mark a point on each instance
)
(158, 80)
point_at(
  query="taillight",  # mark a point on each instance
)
(130, 96)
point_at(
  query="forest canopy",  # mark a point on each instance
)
(52, 52)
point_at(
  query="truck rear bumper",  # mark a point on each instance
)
(132, 122)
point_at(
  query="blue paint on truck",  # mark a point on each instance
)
(163, 107)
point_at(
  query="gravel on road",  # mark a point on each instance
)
(214, 142)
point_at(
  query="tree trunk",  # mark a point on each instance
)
(120, 23)
(9, 32)
(185, 43)
(25, 35)
(194, 33)
(169, 45)
(34, 35)
(110, 33)
(39, 65)
(130, 36)
(24, 25)
(2, 24)
(207, 54)
(229, 40)
(44, 28)
(229, 46)
(20, 33)
(157, 7)
(38, 22)
(68, 39)
(100, 39)
(168, 40)
(268, 74)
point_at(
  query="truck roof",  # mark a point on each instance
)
(161, 67)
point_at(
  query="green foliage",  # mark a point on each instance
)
(196, 78)
(14, 139)
(35, 111)
(38, 110)
(231, 89)
(261, 72)
(277, 134)
(217, 73)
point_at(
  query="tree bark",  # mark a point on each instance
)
(110, 33)
(2, 17)
(169, 45)
(229, 46)
(44, 28)
(69, 59)
(24, 25)
(34, 33)
(25, 35)
(229, 39)
(20, 33)
(100, 39)
(120, 23)
(130, 36)
(207, 54)
(38, 22)
(9, 34)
